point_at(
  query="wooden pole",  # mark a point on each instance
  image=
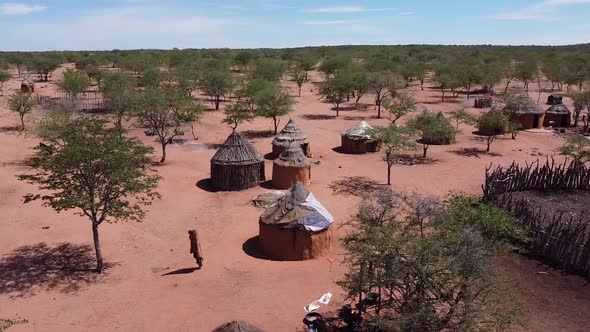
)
(196, 247)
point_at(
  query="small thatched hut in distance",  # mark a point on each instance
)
(236, 165)
(27, 86)
(524, 111)
(296, 227)
(237, 326)
(559, 114)
(357, 140)
(291, 134)
(554, 99)
(290, 167)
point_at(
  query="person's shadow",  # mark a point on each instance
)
(187, 270)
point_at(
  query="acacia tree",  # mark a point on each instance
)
(463, 116)
(581, 100)
(398, 107)
(4, 77)
(383, 85)
(96, 172)
(299, 76)
(22, 104)
(395, 140)
(492, 124)
(578, 147)
(163, 112)
(429, 266)
(336, 90)
(525, 71)
(216, 83)
(74, 82)
(272, 102)
(121, 97)
(236, 114)
(434, 129)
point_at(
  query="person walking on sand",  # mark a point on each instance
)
(196, 247)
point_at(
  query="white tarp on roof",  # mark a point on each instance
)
(319, 220)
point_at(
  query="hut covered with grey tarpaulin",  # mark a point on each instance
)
(236, 165)
(357, 140)
(524, 111)
(290, 134)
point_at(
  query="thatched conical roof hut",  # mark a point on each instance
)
(27, 86)
(296, 227)
(236, 165)
(557, 115)
(237, 326)
(357, 140)
(290, 134)
(290, 167)
(525, 111)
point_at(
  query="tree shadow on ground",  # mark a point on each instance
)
(39, 267)
(357, 186)
(414, 160)
(5, 129)
(318, 117)
(474, 153)
(254, 134)
(252, 249)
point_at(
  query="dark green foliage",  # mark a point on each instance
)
(216, 83)
(491, 124)
(96, 172)
(268, 69)
(577, 147)
(336, 90)
(22, 104)
(395, 140)
(434, 129)
(272, 102)
(236, 114)
(74, 82)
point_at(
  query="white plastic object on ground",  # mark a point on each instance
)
(325, 299)
(315, 305)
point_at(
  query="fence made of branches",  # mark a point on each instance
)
(562, 237)
(87, 101)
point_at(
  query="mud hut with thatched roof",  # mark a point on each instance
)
(291, 134)
(290, 167)
(557, 115)
(236, 165)
(27, 86)
(554, 99)
(296, 227)
(357, 140)
(237, 326)
(524, 111)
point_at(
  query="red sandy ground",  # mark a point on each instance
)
(135, 295)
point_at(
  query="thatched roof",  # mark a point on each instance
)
(237, 326)
(523, 105)
(27, 81)
(558, 109)
(359, 131)
(291, 133)
(298, 208)
(292, 156)
(236, 151)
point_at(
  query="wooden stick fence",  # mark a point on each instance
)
(562, 238)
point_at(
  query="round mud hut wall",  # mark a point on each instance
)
(359, 146)
(285, 177)
(293, 244)
(559, 114)
(236, 165)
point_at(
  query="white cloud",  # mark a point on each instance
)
(19, 8)
(540, 11)
(346, 9)
(334, 22)
(408, 13)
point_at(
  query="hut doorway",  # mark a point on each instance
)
(536, 120)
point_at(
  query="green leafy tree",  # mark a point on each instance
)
(395, 140)
(273, 103)
(96, 172)
(244, 58)
(581, 100)
(268, 69)
(43, 65)
(427, 267)
(22, 104)
(463, 116)
(151, 77)
(187, 78)
(236, 114)
(299, 76)
(97, 74)
(525, 72)
(248, 91)
(163, 112)
(469, 73)
(336, 90)
(492, 124)
(4, 77)
(382, 85)
(120, 96)
(398, 107)
(74, 82)
(216, 83)
(578, 147)
(434, 129)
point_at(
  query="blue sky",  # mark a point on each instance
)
(127, 24)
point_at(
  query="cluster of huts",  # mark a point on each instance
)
(296, 226)
(525, 112)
